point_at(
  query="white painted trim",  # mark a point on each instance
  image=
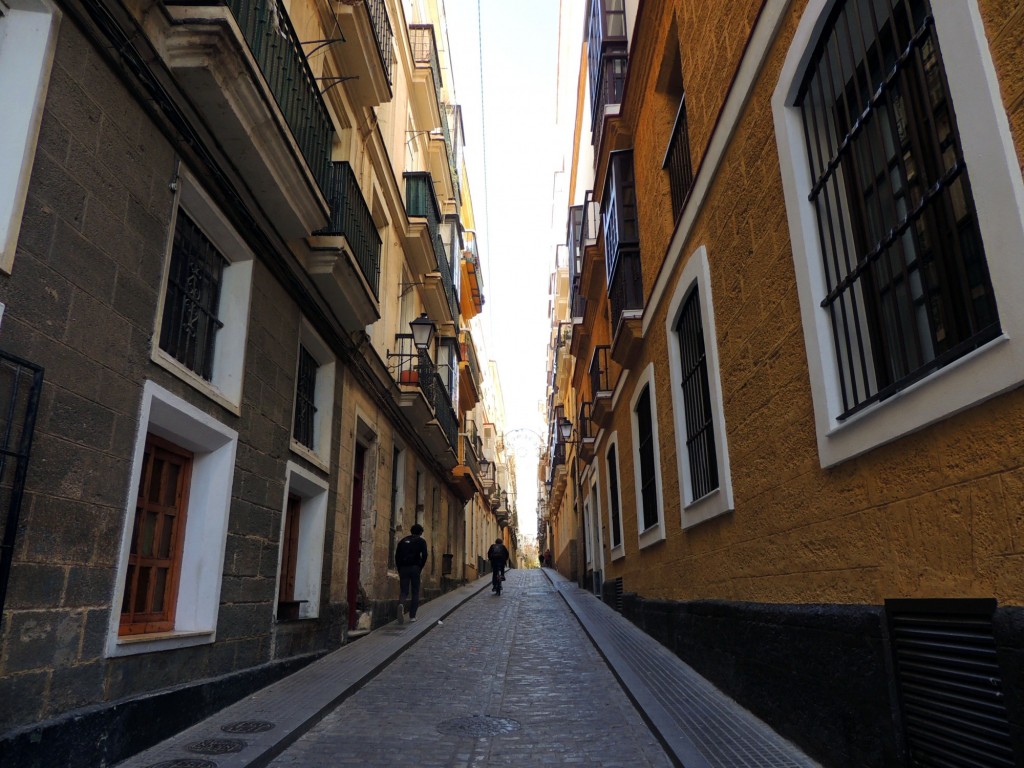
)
(235, 298)
(202, 566)
(999, 197)
(655, 533)
(312, 527)
(747, 74)
(28, 42)
(616, 552)
(594, 491)
(697, 273)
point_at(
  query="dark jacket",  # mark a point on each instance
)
(412, 550)
(498, 552)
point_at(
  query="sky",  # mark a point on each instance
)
(511, 159)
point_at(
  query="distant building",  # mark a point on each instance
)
(222, 228)
(785, 400)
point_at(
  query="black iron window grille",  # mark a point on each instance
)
(190, 324)
(677, 159)
(613, 493)
(305, 399)
(908, 289)
(700, 431)
(648, 470)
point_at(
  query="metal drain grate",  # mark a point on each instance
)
(184, 763)
(248, 726)
(216, 746)
(478, 725)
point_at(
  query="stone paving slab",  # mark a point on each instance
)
(507, 682)
(295, 703)
(699, 725)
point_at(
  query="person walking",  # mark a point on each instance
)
(410, 557)
(498, 555)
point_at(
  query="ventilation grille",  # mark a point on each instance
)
(949, 683)
(618, 594)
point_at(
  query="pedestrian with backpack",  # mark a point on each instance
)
(410, 557)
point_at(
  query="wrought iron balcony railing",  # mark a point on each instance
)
(600, 371)
(279, 55)
(441, 403)
(351, 219)
(412, 367)
(469, 455)
(424, 52)
(584, 426)
(382, 31)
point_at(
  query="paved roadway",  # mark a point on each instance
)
(504, 681)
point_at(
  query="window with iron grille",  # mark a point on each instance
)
(305, 399)
(699, 417)
(907, 284)
(672, 95)
(645, 449)
(154, 562)
(613, 496)
(190, 323)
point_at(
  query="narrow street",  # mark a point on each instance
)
(504, 681)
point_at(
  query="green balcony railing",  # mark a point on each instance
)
(280, 58)
(351, 219)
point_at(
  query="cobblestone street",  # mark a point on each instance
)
(504, 681)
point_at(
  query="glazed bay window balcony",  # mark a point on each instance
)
(253, 86)
(345, 256)
(586, 431)
(622, 256)
(428, 103)
(365, 56)
(607, 48)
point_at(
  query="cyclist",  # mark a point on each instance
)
(498, 555)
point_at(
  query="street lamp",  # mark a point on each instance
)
(422, 332)
(565, 429)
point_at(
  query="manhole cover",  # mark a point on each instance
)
(184, 763)
(247, 726)
(478, 726)
(216, 746)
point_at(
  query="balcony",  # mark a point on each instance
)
(428, 104)
(423, 236)
(472, 278)
(603, 378)
(255, 91)
(424, 398)
(586, 432)
(607, 48)
(365, 56)
(469, 373)
(345, 256)
(467, 472)
(622, 257)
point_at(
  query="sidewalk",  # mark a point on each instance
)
(239, 737)
(698, 724)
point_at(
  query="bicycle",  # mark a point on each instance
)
(497, 577)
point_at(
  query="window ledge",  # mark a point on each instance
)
(311, 456)
(129, 645)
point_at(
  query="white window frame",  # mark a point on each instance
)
(312, 492)
(614, 552)
(323, 399)
(655, 533)
(594, 501)
(28, 42)
(998, 191)
(236, 291)
(214, 446)
(697, 273)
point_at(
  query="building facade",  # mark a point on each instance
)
(224, 229)
(785, 435)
